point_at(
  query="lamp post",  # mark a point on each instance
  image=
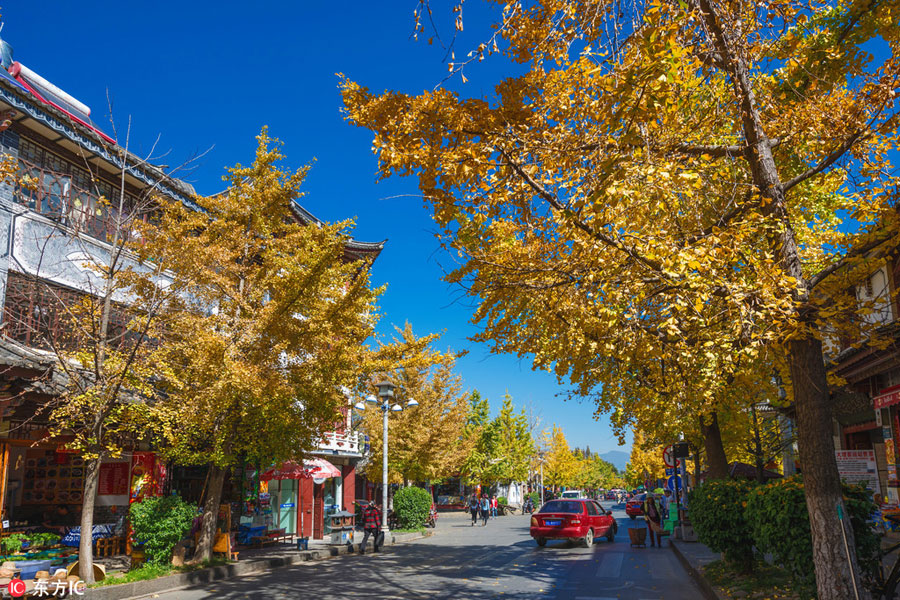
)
(385, 396)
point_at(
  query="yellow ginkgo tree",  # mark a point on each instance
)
(697, 181)
(266, 330)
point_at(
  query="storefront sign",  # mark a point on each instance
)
(858, 466)
(113, 479)
(886, 398)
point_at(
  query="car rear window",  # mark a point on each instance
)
(562, 506)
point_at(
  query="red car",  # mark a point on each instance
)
(635, 506)
(573, 519)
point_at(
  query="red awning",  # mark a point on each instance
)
(886, 397)
(313, 468)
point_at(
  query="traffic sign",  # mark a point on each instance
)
(669, 471)
(669, 457)
(673, 483)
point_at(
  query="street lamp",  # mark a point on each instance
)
(385, 395)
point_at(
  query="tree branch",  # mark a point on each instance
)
(826, 162)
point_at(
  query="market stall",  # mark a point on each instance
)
(316, 469)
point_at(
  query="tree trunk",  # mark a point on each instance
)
(758, 448)
(834, 576)
(86, 545)
(715, 451)
(213, 496)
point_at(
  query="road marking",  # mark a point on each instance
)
(661, 566)
(611, 565)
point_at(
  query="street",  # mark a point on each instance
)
(464, 562)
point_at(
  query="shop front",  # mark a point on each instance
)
(887, 416)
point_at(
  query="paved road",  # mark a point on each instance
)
(463, 562)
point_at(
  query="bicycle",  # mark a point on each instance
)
(886, 589)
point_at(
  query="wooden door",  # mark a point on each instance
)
(318, 511)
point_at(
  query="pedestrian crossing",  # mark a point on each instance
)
(660, 565)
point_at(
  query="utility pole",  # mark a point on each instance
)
(542, 481)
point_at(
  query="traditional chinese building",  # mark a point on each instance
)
(48, 228)
(867, 409)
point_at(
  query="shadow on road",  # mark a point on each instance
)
(410, 571)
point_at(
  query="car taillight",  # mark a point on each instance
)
(575, 521)
(534, 522)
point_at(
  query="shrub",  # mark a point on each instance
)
(535, 498)
(780, 526)
(717, 514)
(159, 523)
(501, 500)
(412, 504)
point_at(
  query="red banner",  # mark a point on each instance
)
(142, 472)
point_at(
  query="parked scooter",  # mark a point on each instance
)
(431, 521)
(528, 506)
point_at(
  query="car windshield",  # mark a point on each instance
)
(562, 506)
(639, 498)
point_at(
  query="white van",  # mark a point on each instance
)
(572, 494)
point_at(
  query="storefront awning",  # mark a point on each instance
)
(313, 468)
(887, 397)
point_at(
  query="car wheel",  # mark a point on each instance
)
(588, 540)
(632, 517)
(541, 541)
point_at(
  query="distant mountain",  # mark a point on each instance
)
(618, 458)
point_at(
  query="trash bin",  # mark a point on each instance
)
(342, 525)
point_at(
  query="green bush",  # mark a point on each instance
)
(412, 504)
(159, 523)
(780, 526)
(535, 499)
(501, 500)
(717, 514)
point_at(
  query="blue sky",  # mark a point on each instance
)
(204, 75)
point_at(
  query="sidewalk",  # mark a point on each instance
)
(251, 561)
(694, 556)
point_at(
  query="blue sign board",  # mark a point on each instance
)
(669, 471)
(287, 505)
(673, 483)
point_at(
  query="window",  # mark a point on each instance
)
(875, 294)
(67, 192)
(563, 506)
(592, 508)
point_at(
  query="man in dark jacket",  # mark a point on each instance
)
(371, 517)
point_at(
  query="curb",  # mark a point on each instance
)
(709, 592)
(170, 583)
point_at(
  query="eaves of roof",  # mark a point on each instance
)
(13, 94)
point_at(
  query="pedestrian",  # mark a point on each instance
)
(474, 506)
(664, 502)
(485, 509)
(653, 516)
(493, 505)
(372, 525)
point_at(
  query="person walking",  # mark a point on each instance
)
(485, 509)
(371, 516)
(653, 516)
(493, 506)
(664, 504)
(474, 507)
